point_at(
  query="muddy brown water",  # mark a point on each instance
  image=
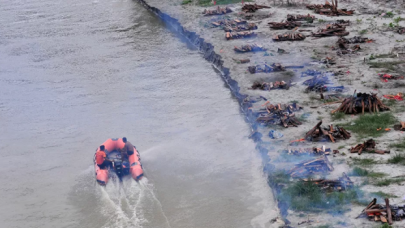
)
(74, 73)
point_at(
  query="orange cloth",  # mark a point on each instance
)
(100, 157)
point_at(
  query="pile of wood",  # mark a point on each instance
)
(275, 67)
(329, 133)
(278, 115)
(271, 85)
(242, 27)
(361, 103)
(341, 184)
(345, 49)
(386, 213)
(318, 84)
(331, 30)
(250, 48)
(239, 35)
(330, 9)
(354, 40)
(316, 166)
(300, 17)
(228, 22)
(247, 8)
(400, 126)
(294, 36)
(369, 145)
(217, 11)
(309, 151)
(284, 25)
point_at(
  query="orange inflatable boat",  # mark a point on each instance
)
(121, 168)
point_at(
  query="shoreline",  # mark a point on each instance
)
(355, 75)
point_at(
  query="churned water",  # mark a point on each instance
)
(74, 73)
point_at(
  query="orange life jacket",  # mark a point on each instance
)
(100, 157)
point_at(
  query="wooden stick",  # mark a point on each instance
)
(387, 204)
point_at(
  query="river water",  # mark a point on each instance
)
(74, 73)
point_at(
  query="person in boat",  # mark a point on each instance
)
(101, 158)
(127, 150)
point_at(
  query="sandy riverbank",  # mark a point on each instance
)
(356, 75)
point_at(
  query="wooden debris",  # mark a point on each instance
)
(284, 25)
(318, 84)
(361, 103)
(277, 115)
(306, 168)
(275, 67)
(217, 11)
(289, 37)
(369, 145)
(386, 213)
(250, 48)
(400, 126)
(354, 40)
(329, 133)
(271, 85)
(239, 35)
(228, 22)
(248, 8)
(331, 30)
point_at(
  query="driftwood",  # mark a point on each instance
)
(369, 145)
(361, 103)
(329, 133)
(250, 48)
(217, 11)
(239, 35)
(247, 8)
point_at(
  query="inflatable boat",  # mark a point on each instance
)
(121, 167)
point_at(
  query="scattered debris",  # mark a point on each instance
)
(354, 40)
(217, 11)
(341, 184)
(299, 17)
(289, 37)
(329, 133)
(250, 48)
(331, 30)
(318, 84)
(248, 8)
(239, 35)
(275, 67)
(271, 85)
(242, 27)
(317, 166)
(400, 126)
(241, 60)
(278, 114)
(284, 25)
(360, 103)
(369, 145)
